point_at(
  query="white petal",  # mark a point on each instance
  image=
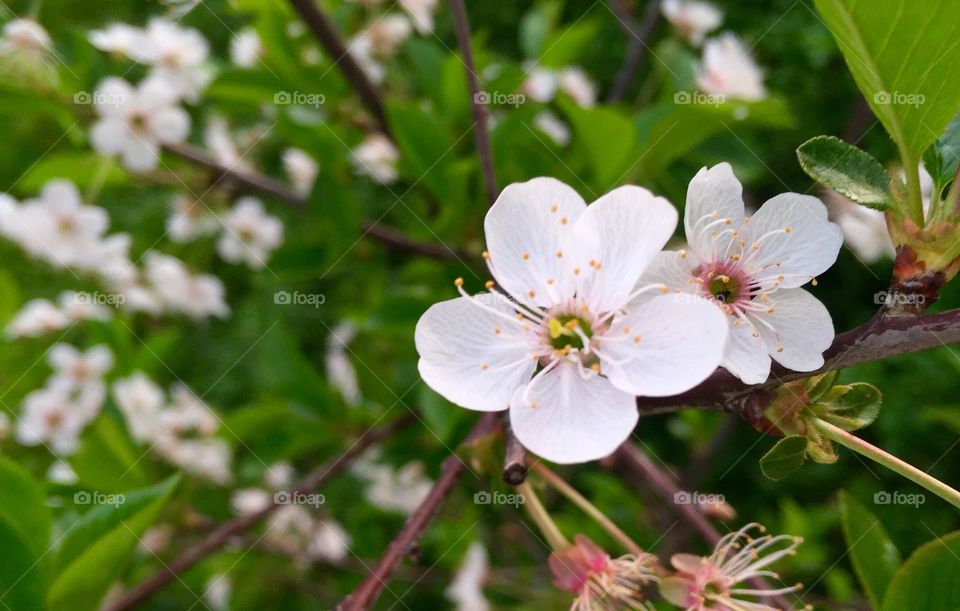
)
(573, 420)
(108, 136)
(714, 194)
(615, 239)
(112, 96)
(171, 124)
(803, 326)
(747, 356)
(140, 154)
(681, 341)
(671, 268)
(808, 250)
(525, 229)
(456, 338)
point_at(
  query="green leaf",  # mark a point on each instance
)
(426, 145)
(900, 55)
(785, 457)
(875, 558)
(846, 169)
(83, 168)
(849, 406)
(95, 550)
(819, 385)
(928, 580)
(536, 26)
(606, 136)
(942, 158)
(23, 503)
(565, 45)
(21, 585)
(107, 460)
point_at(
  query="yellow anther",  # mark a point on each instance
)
(488, 284)
(533, 404)
(764, 297)
(664, 289)
(788, 229)
(553, 208)
(559, 254)
(484, 366)
(555, 327)
(576, 271)
(549, 280)
(496, 330)
(813, 282)
(531, 294)
(595, 367)
(486, 255)
(563, 220)
(526, 256)
(724, 278)
(727, 221)
(770, 310)
(458, 282)
(756, 245)
(636, 339)
(780, 278)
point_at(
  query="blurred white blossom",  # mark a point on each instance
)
(377, 158)
(249, 234)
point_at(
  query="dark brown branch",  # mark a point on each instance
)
(327, 35)
(482, 139)
(222, 534)
(881, 337)
(264, 185)
(639, 35)
(664, 485)
(450, 471)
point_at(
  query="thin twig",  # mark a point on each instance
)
(664, 485)
(327, 35)
(482, 139)
(515, 456)
(879, 338)
(264, 185)
(639, 36)
(222, 534)
(450, 471)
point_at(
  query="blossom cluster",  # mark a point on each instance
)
(585, 311)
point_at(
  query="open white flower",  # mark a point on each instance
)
(134, 123)
(250, 234)
(26, 53)
(79, 306)
(753, 268)
(339, 369)
(574, 82)
(220, 142)
(50, 417)
(692, 19)
(552, 126)
(571, 270)
(120, 38)
(421, 14)
(728, 70)
(177, 55)
(37, 317)
(197, 295)
(80, 368)
(190, 219)
(466, 589)
(377, 158)
(540, 84)
(248, 501)
(141, 402)
(329, 542)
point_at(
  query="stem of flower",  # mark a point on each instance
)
(589, 508)
(914, 198)
(539, 514)
(890, 461)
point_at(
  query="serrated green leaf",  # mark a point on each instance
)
(849, 406)
(928, 580)
(900, 54)
(942, 158)
(819, 385)
(874, 556)
(846, 169)
(100, 543)
(784, 458)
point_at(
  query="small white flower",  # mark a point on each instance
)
(329, 542)
(24, 36)
(728, 70)
(552, 126)
(77, 307)
(466, 589)
(155, 540)
(540, 84)
(289, 529)
(219, 141)
(60, 472)
(692, 19)
(250, 234)
(565, 355)
(249, 501)
(197, 296)
(377, 158)
(340, 371)
(26, 54)
(421, 14)
(400, 490)
(120, 38)
(385, 35)
(753, 268)
(246, 49)
(189, 414)
(37, 317)
(50, 417)
(216, 594)
(206, 458)
(301, 168)
(574, 82)
(134, 123)
(190, 219)
(141, 402)
(279, 474)
(177, 55)
(80, 368)
(864, 229)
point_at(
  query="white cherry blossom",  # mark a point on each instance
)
(190, 219)
(466, 589)
(421, 14)
(552, 126)
(752, 268)
(119, 38)
(574, 82)
(177, 55)
(37, 317)
(141, 402)
(728, 70)
(135, 122)
(301, 168)
(377, 158)
(246, 48)
(564, 354)
(329, 542)
(50, 417)
(196, 295)
(248, 501)
(692, 19)
(249, 234)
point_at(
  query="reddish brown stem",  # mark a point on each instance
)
(450, 471)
